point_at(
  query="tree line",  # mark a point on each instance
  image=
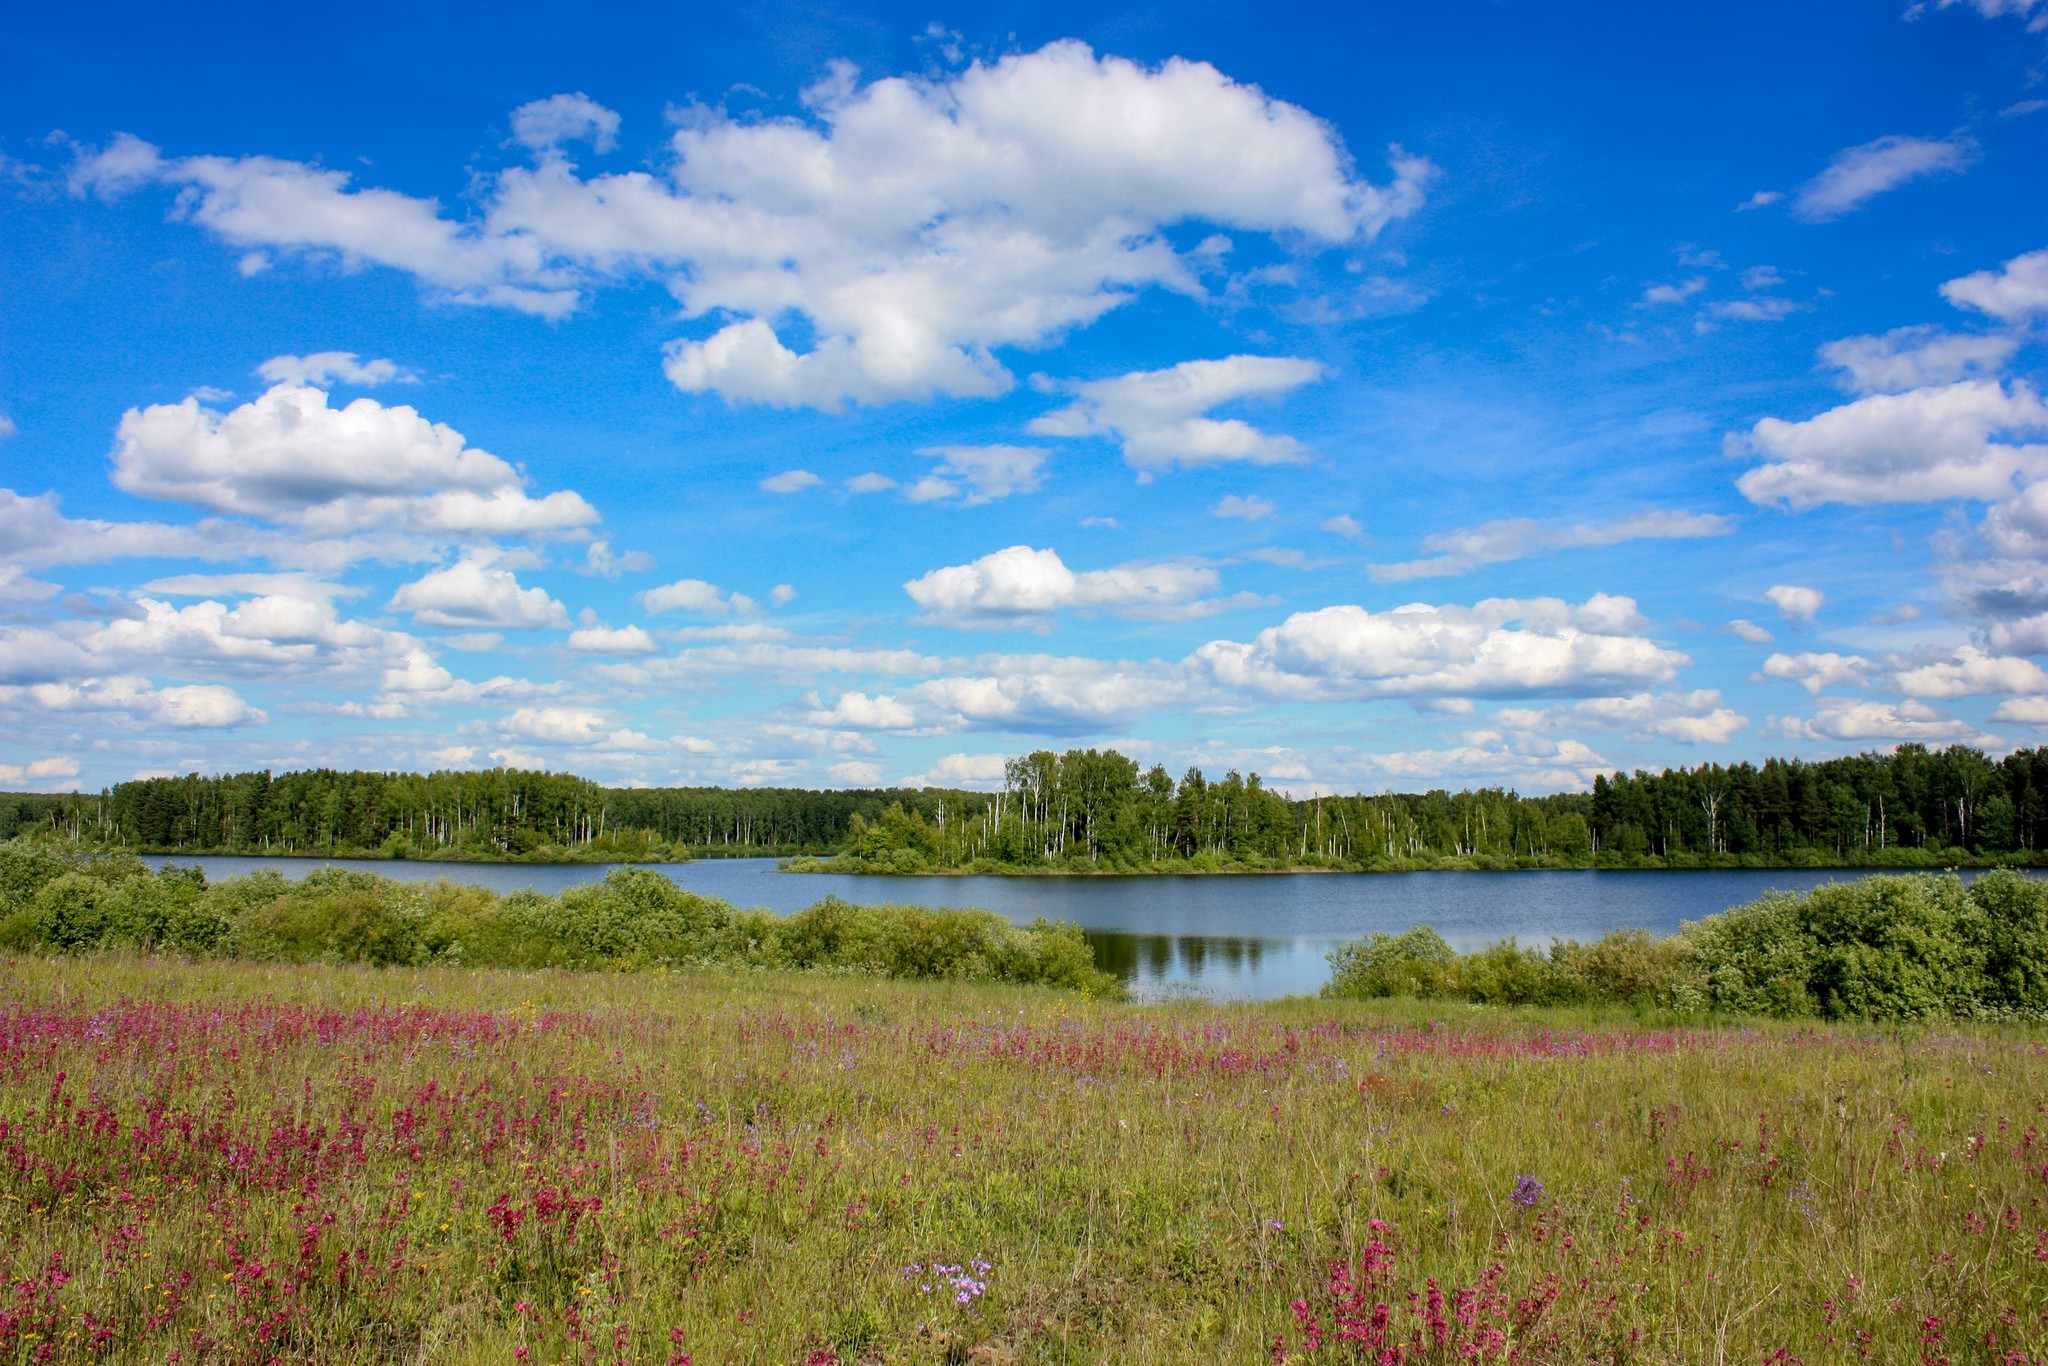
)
(479, 815)
(1096, 810)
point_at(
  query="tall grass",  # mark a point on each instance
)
(234, 1161)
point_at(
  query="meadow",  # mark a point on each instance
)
(259, 1161)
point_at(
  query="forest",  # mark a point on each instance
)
(488, 815)
(1095, 810)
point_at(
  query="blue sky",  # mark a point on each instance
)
(837, 395)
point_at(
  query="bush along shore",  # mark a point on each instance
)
(1882, 947)
(1876, 948)
(64, 897)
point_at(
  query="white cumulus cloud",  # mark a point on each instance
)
(1687, 718)
(1859, 721)
(546, 124)
(607, 640)
(912, 225)
(1795, 602)
(472, 593)
(1161, 415)
(1915, 358)
(1817, 671)
(289, 457)
(1019, 584)
(2015, 292)
(1500, 647)
(1924, 445)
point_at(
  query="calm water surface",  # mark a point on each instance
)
(1223, 936)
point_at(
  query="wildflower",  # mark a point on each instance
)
(1528, 1192)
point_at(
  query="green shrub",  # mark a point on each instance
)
(1508, 975)
(637, 917)
(1628, 967)
(946, 943)
(1896, 947)
(1756, 959)
(1415, 963)
(2016, 939)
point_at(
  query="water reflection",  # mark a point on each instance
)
(1221, 936)
(1221, 966)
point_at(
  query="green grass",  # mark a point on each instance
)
(327, 1163)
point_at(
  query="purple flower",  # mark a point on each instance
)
(1528, 1192)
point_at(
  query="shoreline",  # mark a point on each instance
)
(796, 864)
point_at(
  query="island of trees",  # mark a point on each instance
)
(1098, 811)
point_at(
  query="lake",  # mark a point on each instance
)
(1228, 936)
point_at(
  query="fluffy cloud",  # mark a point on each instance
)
(289, 457)
(546, 124)
(1461, 551)
(53, 774)
(1857, 722)
(1251, 508)
(2024, 711)
(606, 640)
(1016, 693)
(1743, 629)
(1971, 673)
(1859, 174)
(913, 225)
(578, 727)
(205, 706)
(1687, 718)
(1159, 415)
(1920, 446)
(1345, 525)
(1500, 647)
(1487, 758)
(791, 481)
(267, 204)
(333, 367)
(599, 559)
(982, 772)
(2027, 635)
(705, 599)
(35, 531)
(1817, 672)
(1915, 358)
(1021, 585)
(2018, 527)
(987, 472)
(261, 636)
(472, 593)
(1673, 293)
(858, 711)
(1796, 603)
(2013, 293)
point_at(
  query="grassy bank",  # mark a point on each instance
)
(66, 897)
(238, 1162)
